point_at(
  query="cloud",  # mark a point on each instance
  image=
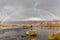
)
(32, 19)
(15, 8)
(30, 14)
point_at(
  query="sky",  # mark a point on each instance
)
(20, 9)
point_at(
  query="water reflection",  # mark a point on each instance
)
(9, 34)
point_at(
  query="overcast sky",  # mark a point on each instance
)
(18, 9)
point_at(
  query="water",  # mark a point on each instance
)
(8, 34)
